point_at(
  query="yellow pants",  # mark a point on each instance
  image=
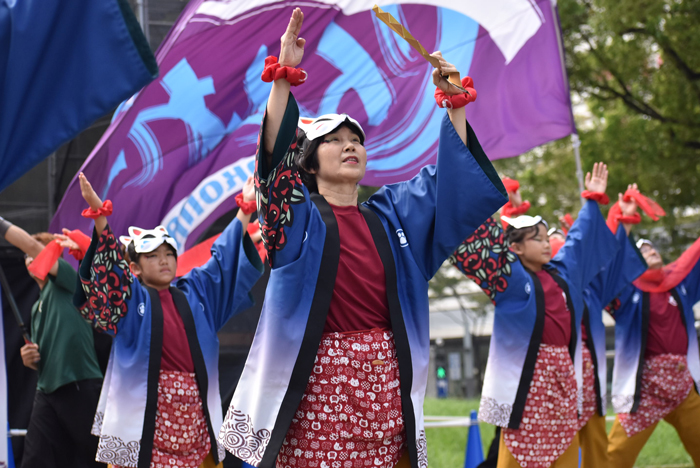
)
(568, 459)
(623, 451)
(207, 463)
(405, 461)
(593, 438)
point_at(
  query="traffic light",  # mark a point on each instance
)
(441, 374)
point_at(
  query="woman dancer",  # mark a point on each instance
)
(160, 404)
(530, 384)
(338, 368)
(657, 366)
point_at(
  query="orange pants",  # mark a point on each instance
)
(568, 459)
(623, 451)
(593, 438)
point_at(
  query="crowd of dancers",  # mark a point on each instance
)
(337, 372)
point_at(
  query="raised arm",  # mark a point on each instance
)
(589, 244)
(291, 53)
(106, 282)
(21, 239)
(224, 282)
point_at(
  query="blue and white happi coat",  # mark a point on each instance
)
(415, 226)
(627, 265)
(517, 293)
(631, 315)
(206, 298)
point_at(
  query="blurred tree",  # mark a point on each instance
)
(635, 67)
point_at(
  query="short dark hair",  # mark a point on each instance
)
(134, 256)
(513, 235)
(306, 155)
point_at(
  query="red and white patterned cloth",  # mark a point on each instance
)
(666, 382)
(350, 415)
(550, 419)
(590, 401)
(181, 437)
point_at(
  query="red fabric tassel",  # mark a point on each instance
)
(511, 185)
(647, 205)
(247, 207)
(458, 100)
(83, 242)
(273, 71)
(106, 210)
(670, 276)
(43, 262)
(599, 197)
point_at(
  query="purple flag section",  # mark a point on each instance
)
(178, 151)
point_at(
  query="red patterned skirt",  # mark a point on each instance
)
(181, 437)
(666, 382)
(590, 401)
(350, 415)
(550, 419)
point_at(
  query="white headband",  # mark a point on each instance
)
(642, 241)
(524, 221)
(325, 124)
(148, 240)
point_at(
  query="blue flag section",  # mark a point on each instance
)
(63, 64)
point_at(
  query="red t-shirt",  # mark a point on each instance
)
(557, 319)
(359, 298)
(666, 334)
(176, 349)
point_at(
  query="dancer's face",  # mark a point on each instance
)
(652, 257)
(341, 158)
(156, 269)
(534, 250)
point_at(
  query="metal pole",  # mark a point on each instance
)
(576, 143)
(143, 18)
(52, 184)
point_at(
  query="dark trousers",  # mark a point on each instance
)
(59, 428)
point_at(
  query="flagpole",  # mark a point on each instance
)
(575, 140)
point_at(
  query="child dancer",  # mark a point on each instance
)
(530, 384)
(160, 404)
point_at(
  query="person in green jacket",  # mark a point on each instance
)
(62, 352)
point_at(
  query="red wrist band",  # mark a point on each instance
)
(513, 211)
(274, 71)
(600, 197)
(106, 210)
(247, 207)
(458, 100)
(634, 219)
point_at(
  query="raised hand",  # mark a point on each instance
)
(597, 180)
(291, 45)
(628, 208)
(88, 193)
(66, 242)
(248, 190)
(445, 69)
(515, 198)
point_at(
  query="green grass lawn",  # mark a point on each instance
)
(446, 445)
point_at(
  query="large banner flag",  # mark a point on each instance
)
(178, 151)
(63, 64)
